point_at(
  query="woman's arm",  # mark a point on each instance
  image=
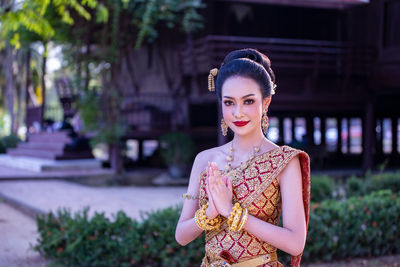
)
(187, 229)
(291, 237)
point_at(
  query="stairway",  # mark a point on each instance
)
(53, 146)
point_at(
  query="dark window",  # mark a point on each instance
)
(391, 24)
(203, 115)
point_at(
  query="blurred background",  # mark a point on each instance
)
(116, 76)
(104, 103)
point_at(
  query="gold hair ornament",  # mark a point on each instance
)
(211, 80)
(273, 88)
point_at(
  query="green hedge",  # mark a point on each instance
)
(98, 241)
(372, 182)
(325, 187)
(359, 226)
(9, 141)
(322, 187)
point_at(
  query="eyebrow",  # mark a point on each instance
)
(242, 96)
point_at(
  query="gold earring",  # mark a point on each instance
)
(265, 123)
(224, 127)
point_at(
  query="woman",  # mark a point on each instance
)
(237, 191)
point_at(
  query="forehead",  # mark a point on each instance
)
(238, 86)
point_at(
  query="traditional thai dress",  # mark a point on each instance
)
(257, 189)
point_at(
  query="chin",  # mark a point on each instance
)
(243, 132)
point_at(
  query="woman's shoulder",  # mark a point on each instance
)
(210, 154)
(201, 161)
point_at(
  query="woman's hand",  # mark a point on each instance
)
(220, 189)
(211, 211)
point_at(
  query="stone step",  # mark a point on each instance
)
(51, 146)
(37, 153)
(44, 165)
(49, 137)
(46, 154)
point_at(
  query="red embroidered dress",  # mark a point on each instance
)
(257, 189)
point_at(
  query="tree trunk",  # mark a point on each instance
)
(27, 85)
(113, 115)
(19, 89)
(10, 86)
(115, 158)
(43, 81)
(87, 69)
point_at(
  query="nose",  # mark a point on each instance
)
(237, 111)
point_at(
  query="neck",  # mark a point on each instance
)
(245, 143)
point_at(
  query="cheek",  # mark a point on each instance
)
(254, 111)
(226, 111)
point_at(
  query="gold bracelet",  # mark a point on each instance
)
(243, 220)
(203, 222)
(189, 196)
(236, 219)
(235, 208)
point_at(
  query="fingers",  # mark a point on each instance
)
(215, 169)
(229, 183)
(217, 183)
(209, 194)
(211, 181)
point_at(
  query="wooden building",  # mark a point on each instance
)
(335, 61)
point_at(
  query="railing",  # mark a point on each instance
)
(312, 55)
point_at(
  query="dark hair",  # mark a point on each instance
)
(248, 63)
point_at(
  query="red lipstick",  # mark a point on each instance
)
(240, 123)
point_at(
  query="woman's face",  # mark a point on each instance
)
(242, 104)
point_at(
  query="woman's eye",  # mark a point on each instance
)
(249, 101)
(228, 103)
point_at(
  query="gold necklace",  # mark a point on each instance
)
(243, 165)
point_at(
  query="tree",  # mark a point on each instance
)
(131, 25)
(106, 42)
(26, 22)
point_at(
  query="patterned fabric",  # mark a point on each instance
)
(257, 189)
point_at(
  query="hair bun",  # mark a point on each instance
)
(249, 63)
(254, 55)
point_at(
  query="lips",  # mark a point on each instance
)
(240, 123)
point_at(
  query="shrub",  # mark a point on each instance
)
(158, 232)
(387, 180)
(359, 226)
(9, 141)
(98, 241)
(361, 186)
(356, 227)
(355, 186)
(322, 187)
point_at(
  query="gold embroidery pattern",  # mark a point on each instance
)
(257, 189)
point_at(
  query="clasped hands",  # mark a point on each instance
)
(219, 192)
